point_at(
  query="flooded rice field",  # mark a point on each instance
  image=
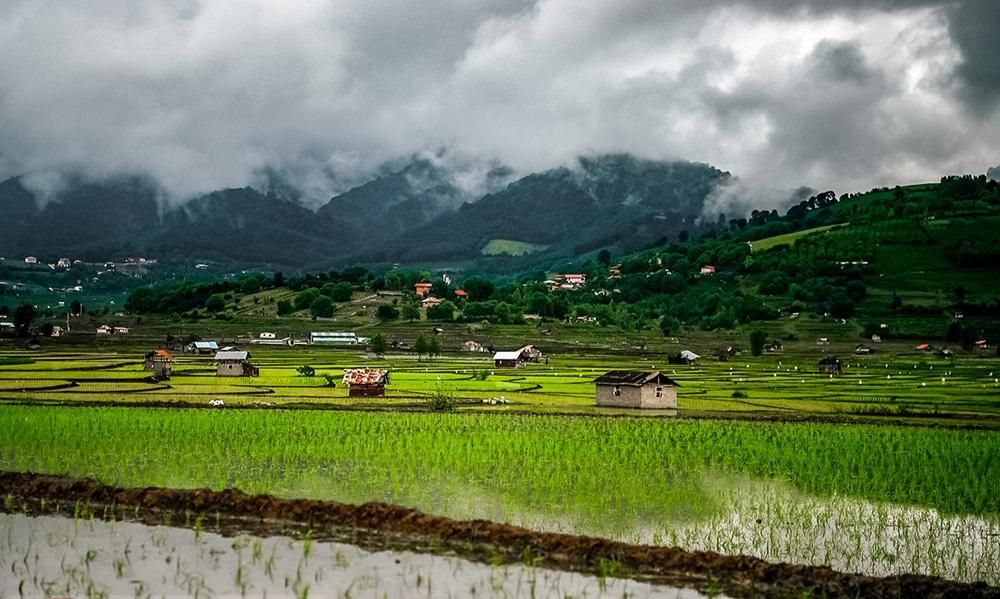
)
(46, 556)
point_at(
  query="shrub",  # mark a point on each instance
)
(306, 370)
(441, 401)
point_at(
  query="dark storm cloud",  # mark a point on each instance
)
(202, 94)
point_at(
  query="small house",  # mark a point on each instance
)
(474, 346)
(120, 330)
(63, 263)
(863, 350)
(823, 341)
(430, 302)
(235, 363)
(530, 353)
(366, 382)
(203, 348)
(57, 331)
(983, 345)
(159, 362)
(267, 336)
(636, 389)
(876, 338)
(708, 269)
(30, 260)
(508, 359)
(104, 330)
(830, 365)
(421, 289)
(461, 294)
(689, 357)
(333, 338)
(923, 347)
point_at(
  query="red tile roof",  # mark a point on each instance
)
(365, 376)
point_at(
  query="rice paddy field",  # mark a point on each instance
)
(891, 468)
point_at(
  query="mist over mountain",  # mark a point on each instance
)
(422, 211)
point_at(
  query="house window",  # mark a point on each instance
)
(616, 390)
(659, 391)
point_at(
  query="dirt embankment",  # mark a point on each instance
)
(377, 525)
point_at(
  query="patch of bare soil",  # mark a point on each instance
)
(378, 525)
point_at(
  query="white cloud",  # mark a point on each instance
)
(203, 94)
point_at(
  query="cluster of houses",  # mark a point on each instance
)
(228, 362)
(569, 282)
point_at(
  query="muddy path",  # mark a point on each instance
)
(382, 526)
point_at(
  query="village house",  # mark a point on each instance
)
(474, 346)
(508, 359)
(235, 363)
(636, 389)
(530, 353)
(708, 269)
(863, 350)
(366, 382)
(421, 289)
(63, 263)
(983, 345)
(119, 330)
(104, 330)
(334, 338)
(688, 357)
(57, 331)
(430, 302)
(267, 336)
(159, 362)
(830, 365)
(203, 348)
(31, 260)
(923, 347)
(570, 282)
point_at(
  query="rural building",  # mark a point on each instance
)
(267, 336)
(689, 356)
(63, 263)
(31, 260)
(923, 347)
(508, 359)
(983, 345)
(57, 331)
(366, 382)
(461, 294)
(335, 338)
(876, 338)
(104, 330)
(530, 353)
(120, 330)
(863, 350)
(430, 302)
(474, 346)
(636, 389)
(830, 365)
(421, 289)
(159, 363)
(235, 363)
(708, 269)
(203, 348)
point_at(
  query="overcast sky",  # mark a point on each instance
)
(204, 94)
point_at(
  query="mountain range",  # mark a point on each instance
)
(419, 212)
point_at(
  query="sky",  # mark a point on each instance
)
(205, 94)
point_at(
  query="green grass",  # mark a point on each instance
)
(762, 245)
(496, 247)
(640, 480)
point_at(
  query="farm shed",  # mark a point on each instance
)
(235, 363)
(204, 348)
(689, 356)
(830, 365)
(159, 362)
(530, 353)
(421, 289)
(366, 382)
(474, 346)
(508, 359)
(636, 389)
(334, 338)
